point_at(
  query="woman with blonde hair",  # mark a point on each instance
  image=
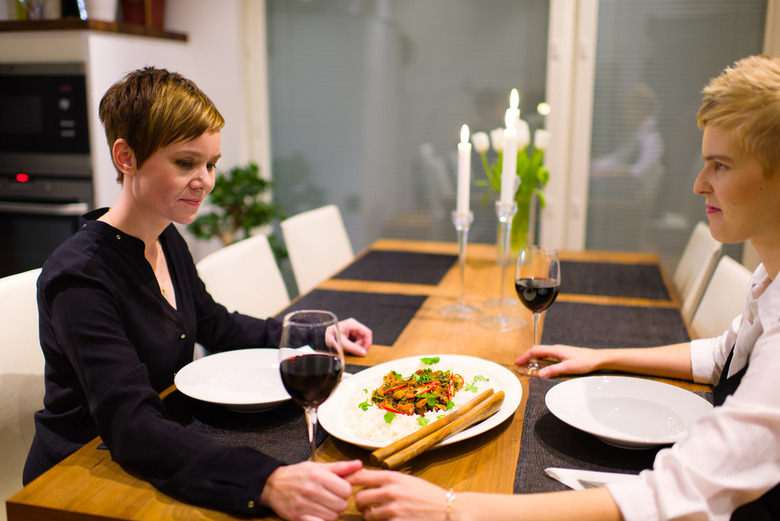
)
(729, 465)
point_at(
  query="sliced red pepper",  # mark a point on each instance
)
(451, 386)
(391, 389)
(390, 409)
(417, 391)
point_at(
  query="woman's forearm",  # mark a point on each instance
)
(672, 361)
(583, 505)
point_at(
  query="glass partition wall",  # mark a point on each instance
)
(367, 98)
(652, 60)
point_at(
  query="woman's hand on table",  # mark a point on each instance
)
(355, 337)
(310, 491)
(571, 360)
(396, 496)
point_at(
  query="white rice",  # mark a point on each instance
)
(371, 425)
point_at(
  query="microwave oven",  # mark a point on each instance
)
(43, 109)
(45, 168)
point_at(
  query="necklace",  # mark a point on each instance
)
(159, 271)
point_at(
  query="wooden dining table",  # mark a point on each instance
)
(89, 485)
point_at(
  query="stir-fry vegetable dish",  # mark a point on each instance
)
(425, 390)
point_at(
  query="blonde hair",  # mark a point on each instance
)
(745, 98)
(152, 108)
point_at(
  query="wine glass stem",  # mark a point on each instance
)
(533, 360)
(311, 423)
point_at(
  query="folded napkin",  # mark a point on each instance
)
(577, 478)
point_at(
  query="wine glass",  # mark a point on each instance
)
(311, 361)
(537, 281)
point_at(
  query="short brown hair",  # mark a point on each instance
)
(152, 108)
(745, 98)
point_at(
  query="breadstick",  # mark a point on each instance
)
(380, 454)
(483, 410)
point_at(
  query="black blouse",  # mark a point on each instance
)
(112, 343)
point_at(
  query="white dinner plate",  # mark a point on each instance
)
(244, 380)
(632, 413)
(333, 412)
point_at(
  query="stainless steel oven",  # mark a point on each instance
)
(45, 172)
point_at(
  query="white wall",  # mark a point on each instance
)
(212, 56)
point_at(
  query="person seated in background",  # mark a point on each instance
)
(640, 154)
(728, 467)
(121, 307)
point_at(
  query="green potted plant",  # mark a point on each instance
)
(240, 206)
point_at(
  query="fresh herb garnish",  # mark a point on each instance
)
(423, 421)
(480, 378)
(431, 398)
(431, 360)
(450, 404)
(364, 405)
(389, 416)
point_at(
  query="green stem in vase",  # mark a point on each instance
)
(520, 224)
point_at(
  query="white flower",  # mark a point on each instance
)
(541, 139)
(523, 134)
(497, 138)
(481, 142)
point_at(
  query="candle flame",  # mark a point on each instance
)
(464, 134)
(514, 99)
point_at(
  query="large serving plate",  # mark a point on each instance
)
(244, 380)
(632, 413)
(333, 412)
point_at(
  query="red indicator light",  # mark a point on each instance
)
(22, 178)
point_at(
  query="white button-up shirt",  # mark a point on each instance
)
(732, 455)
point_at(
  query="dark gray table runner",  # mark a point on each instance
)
(613, 280)
(387, 314)
(280, 433)
(399, 266)
(601, 326)
(549, 442)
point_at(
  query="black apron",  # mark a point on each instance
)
(767, 507)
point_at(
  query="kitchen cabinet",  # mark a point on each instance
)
(107, 51)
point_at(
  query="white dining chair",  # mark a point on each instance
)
(318, 245)
(695, 268)
(21, 377)
(723, 300)
(244, 277)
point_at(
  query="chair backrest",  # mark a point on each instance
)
(695, 268)
(318, 245)
(244, 277)
(21, 375)
(723, 300)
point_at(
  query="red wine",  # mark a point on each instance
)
(311, 378)
(537, 294)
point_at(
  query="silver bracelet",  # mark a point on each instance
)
(450, 495)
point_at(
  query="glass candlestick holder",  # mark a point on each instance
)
(462, 222)
(502, 321)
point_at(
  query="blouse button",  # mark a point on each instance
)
(118, 237)
(251, 504)
(183, 336)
